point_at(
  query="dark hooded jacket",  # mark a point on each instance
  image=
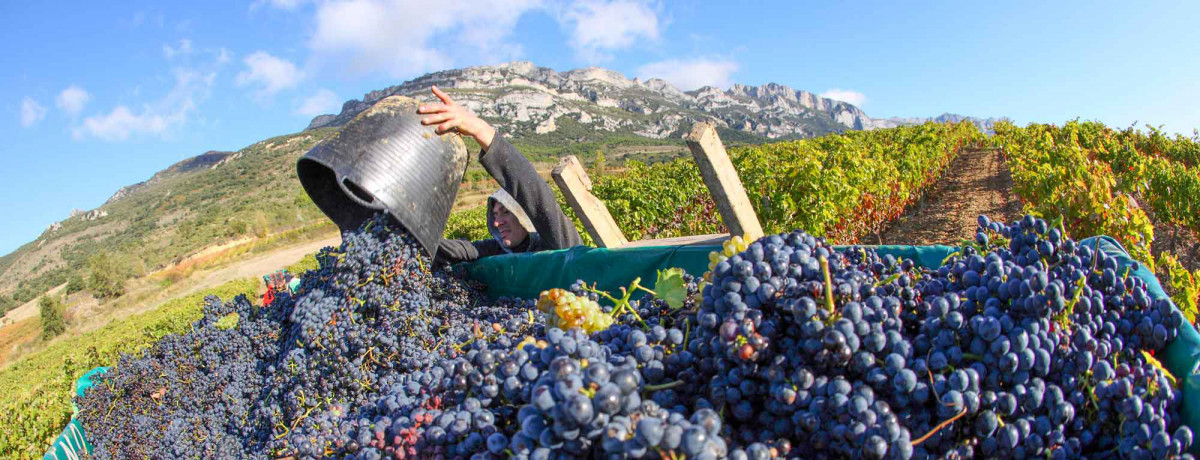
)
(524, 194)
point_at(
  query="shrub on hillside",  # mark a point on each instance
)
(262, 226)
(6, 303)
(598, 168)
(106, 275)
(75, 284)
(51, 309)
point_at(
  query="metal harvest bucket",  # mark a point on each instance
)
(385, 160)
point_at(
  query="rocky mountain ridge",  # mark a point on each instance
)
(984, 124)
(521, 98)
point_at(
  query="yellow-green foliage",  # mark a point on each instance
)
(840, 186)
(468, 224)
(1185, 285)
(1162, 172)
(1057, 177)
(309, 262)
(37, 390)
(1087, 174)
(106, 275)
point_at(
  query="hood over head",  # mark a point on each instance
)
(511, 205)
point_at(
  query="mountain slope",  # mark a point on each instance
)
(522, 99)
(207, 159)
(984, 124)
(193, 204)
(216, 197)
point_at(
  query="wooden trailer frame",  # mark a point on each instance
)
(720, 177)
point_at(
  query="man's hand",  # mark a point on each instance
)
(449, 116)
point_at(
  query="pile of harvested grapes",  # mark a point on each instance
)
(1024, 345)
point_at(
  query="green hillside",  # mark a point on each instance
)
(254, 192)
(251, 193)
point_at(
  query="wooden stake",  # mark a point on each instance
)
(723, 183)
(573, 180)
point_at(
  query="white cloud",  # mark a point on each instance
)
(121, 123)
(322, 102)
(155, 119)
(224, 56)
(852, 97)
(599, 27)
(402, 38)
(692, 74)
(184, 48)
(270, 73)
(73, 99)
(31, 112)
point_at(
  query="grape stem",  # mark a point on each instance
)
(948, 421)
(687, 332)
(664, 386)
(889, 280)
(828, 283)
(951, 256)
(622, 305)
(937, 428)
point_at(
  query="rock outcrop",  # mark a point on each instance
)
(521, 98)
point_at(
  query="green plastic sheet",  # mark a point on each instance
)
(69, 445)
(1182, 355)
(72, 444)
(527, 275)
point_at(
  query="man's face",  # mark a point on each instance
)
(511, 231)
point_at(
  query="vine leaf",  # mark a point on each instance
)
(671, 288)
(228, 322)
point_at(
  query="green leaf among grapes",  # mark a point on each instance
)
(671, 287)
(228, 322)
(1160, 367)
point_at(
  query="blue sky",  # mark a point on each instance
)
(97, 95)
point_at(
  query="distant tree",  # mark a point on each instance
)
(106, 276)
(6, 303)
(262, 227)
(75, 283)
(238, 227)
(598, 169)
(51, 309)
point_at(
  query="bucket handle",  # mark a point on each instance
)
(357, 193)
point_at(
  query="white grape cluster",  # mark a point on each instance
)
(565, 310)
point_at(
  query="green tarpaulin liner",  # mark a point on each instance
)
(72, 444)
(1182, 355)
(527, 275)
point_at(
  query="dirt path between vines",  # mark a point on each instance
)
(977, 182)
(251, 267)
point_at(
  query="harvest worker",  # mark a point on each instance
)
(523, 215)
